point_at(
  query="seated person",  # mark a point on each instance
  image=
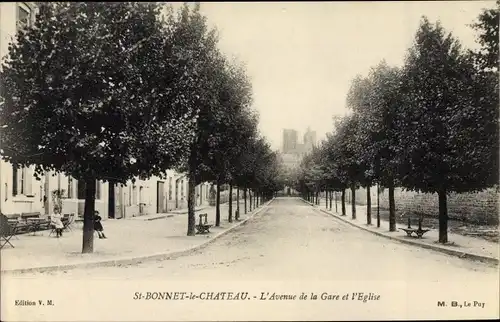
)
(56, 221)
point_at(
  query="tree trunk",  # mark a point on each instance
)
(230, 214)
(326, 199)
(237, 217)
(368, 206)
(353, 201)
(88, 216)
(191, 203)
(343, 202)
(217, 206)
(331, 197)
(245, 197)
(392, 207)
(378, 206)
(250, 200)
(443, 217)
(336, 210)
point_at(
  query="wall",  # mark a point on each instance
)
(28, 202)
(8, 202)
(480, 207)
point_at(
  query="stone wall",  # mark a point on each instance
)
(479, 208)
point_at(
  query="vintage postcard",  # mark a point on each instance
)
(249, 161)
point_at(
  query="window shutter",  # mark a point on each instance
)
(14, 181)
(20, 188)
(28, 181)
(70, 187)
(98, 190)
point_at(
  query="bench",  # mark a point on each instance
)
(32, 222)
(203, 227)
(13, 217)
(419, 232)
(28, 215)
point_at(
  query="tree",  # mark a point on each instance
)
(376, 99)
(91, 90)
(352, 168)
(236, 125)
(487, 25)
(203, 65)
(449, 124)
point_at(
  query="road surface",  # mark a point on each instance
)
(290, 240)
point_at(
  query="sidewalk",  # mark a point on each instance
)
(182, 211)
(128, 241)
(462, 246)
(169, 214)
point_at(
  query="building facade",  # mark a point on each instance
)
(21, 192)
(293, 151)
(289, 140)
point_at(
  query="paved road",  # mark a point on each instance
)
(289, 240)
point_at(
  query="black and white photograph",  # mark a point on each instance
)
(249, 161)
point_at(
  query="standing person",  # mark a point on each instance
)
(98, 226)
(56, 221)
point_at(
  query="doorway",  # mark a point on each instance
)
(160, 197)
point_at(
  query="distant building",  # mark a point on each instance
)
(309, 139)
(293, 151)
(290, 138)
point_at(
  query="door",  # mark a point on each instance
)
(111, 200)
(160, 197)
(176, 194)
(46, 195)
(119, 201)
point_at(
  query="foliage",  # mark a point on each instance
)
(448, 124)
(487, 26)
(96, 91)
(96, 103)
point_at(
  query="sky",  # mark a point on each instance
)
(302, 56)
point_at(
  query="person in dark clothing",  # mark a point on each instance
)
(98, 226)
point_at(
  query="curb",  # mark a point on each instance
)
(185, 212)
(135, 260)
(174, 213)
(452, 252)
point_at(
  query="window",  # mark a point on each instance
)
(81, 189)
(170, 188)
(70, 188)
(23, 16)
(98, 190)
(21, 181)
(134, 195)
